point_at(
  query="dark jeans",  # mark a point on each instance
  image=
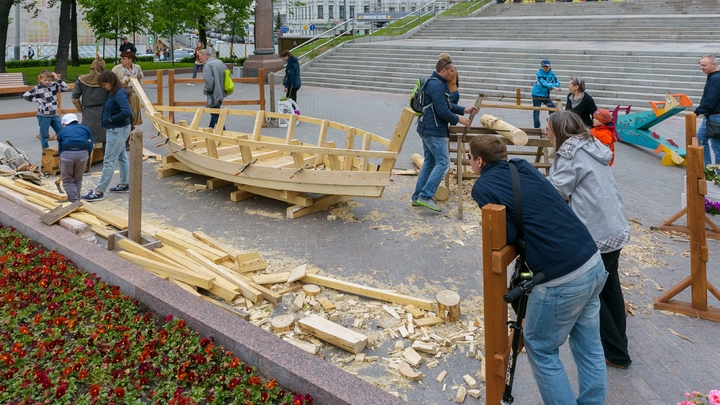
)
(612, 314)
(72, 167)
(537, 102)
(214, 117)
(292, 94)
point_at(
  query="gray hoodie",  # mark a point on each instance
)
(581, 174)
(214, 75)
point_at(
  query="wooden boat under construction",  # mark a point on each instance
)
(311, 176)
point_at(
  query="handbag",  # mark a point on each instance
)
(712, 129)
(521, 272)
(229, 85)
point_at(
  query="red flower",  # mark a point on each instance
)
(298, 400)
(61, 390)
(168, 318)
(119, 392)
(181, 324)
(83, 373)
(233, 382)
(234, 363)
(255, 380)
(271, 384)
(264, 396)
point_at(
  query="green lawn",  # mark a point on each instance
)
(31, 73)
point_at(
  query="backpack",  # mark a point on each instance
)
(417, 97)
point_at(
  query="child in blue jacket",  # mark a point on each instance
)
(544, 82)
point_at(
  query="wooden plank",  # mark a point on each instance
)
(187, 287)
(169, 271)
(245, 261)
(333, 333)
(183, 243)
(275, 278)
(235, 311)
(60, 212)
(309, 347)
(138, 249)
(105, 216)
(435, 320)
(246, 290)
(39, 190)
(297, 273)
(376, 293)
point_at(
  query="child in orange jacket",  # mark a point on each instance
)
(604, 130)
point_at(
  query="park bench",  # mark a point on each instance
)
(12, 83)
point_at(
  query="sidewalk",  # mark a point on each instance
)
(386, 243)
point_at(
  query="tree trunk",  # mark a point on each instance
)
(5, 6)
(202, 35)
(74, 37)
(63, 39)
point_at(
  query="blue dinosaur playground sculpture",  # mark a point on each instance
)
(635, 128)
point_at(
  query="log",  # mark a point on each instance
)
(449, 305)
(513, 133)
(283, 323)
(333, 333)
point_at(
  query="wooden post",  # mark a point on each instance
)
(171, 93)
(496, 257)
(517, 96)
(159, 87)
(696, 220)
(135, 199)
(261, 87)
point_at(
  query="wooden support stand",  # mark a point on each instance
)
(50, 163)
(696, 220)
(497, 256)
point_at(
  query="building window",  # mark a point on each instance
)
(330, 11)
(352, 11)
(366, 9)
(413, 9)
(392, 9)
(38, 31)
(342, 12)
(85, 34)
(402, 9)
(320, 12)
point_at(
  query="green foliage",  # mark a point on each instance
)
(31, 72)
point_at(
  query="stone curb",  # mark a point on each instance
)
(292, 367)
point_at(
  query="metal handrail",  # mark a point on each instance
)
(349, 27)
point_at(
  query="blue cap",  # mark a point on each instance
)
(545, 62)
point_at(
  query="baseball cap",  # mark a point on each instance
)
(604, 116)
(68, 118)
(545, 62)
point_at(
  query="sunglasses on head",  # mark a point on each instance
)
(446, 65)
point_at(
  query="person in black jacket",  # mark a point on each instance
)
(292, 81)
(75, 141)
(558, 245)
(580, 102)
(709, 107)
(127, 46)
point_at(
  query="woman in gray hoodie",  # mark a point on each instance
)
(581, 174)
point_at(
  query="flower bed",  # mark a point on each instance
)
(68, 337)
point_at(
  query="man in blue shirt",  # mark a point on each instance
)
(545, 80)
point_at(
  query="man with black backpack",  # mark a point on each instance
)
(437, 112)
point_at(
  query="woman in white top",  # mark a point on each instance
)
(125, 71)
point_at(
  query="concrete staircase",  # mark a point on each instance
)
(675, 7)
(497, 55)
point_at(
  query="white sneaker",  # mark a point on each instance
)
(191, 84)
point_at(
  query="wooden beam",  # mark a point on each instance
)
(221, 271)
(376, 293)
(333, 333)
(169, 271)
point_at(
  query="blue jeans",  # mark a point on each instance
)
(434, 168)
(553, 313)
(45, 124)
(537, 102)
(197, 67)
(706, 143)
(214, 117)
(115, 154)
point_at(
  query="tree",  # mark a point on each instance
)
(236, 13)
(278, 22)
(5, 6)
(111, 18)
(73, 35)
(61, 58)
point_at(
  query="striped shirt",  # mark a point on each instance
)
(46, 97)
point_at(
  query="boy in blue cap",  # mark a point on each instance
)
(544, 82)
